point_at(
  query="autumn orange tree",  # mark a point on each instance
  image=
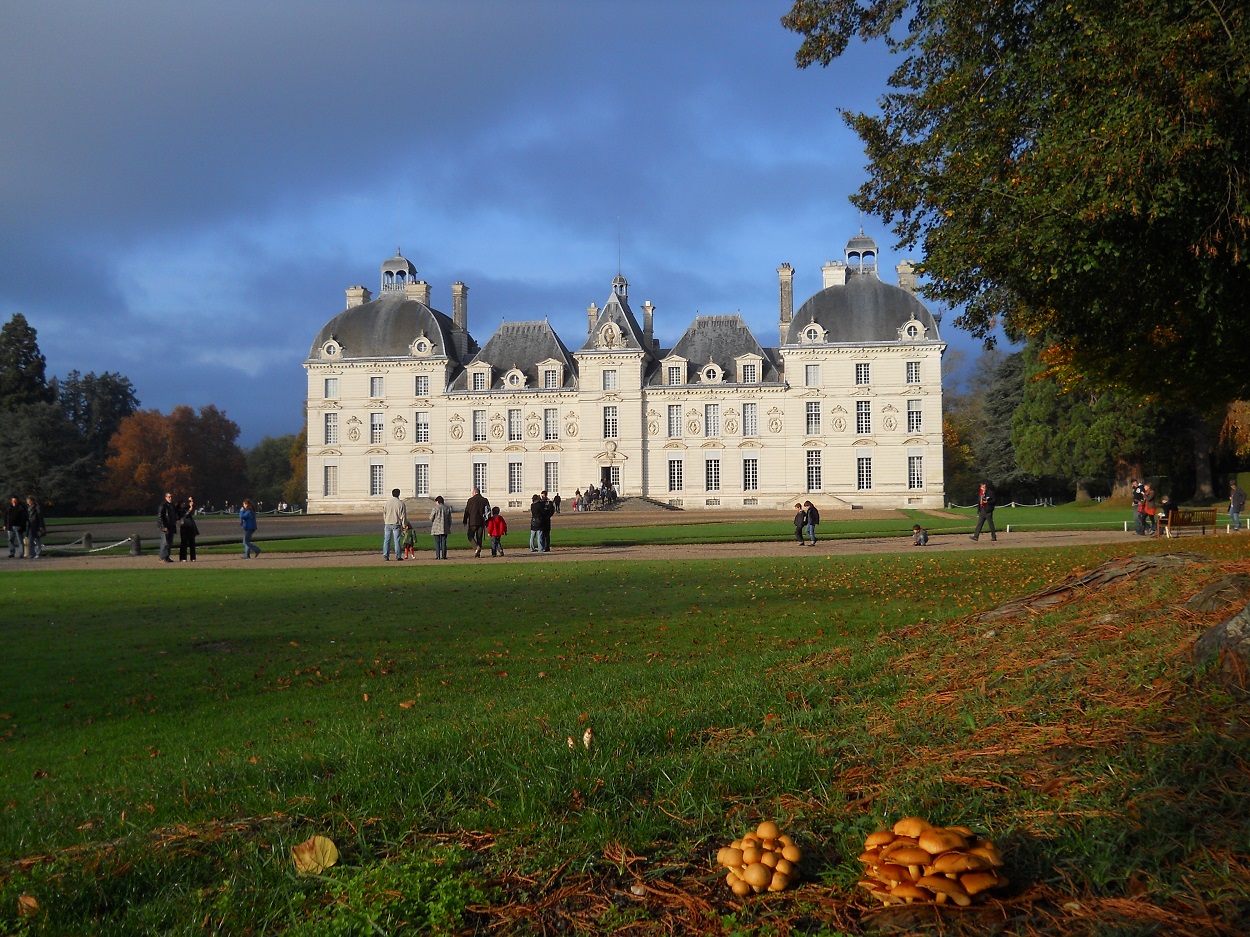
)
(185, 452)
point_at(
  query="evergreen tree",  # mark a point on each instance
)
(269, 468)
(22, 366)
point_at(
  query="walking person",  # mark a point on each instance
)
(810, 521)
(35, 528)
(167, 521)
(247, 520)
(1139, 518)
(496, 527)
(1236, 503)
(410, 541)
(800, 521)
(440, 526)
(985, 512)
(536, 524)
(188, 530)
(474, 519)
(548, 509)
(394, 519)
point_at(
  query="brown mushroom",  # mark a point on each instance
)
(956, 863)
(894, 873)
(976, 882)
(879, 838)
(945, 888)
(911, 826)
(757, 875)
(990, 851)
(938, 840)
(908, 892)
(870, 856)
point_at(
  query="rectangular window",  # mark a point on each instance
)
(551, 477)
(813, 417)
(914, 416)
(479, 426)
(331, 429)
(813, 470)
(750, 419)
(551, 423)
(711, 475)
(421, 424)
(915, 472)
(675, 375)
(609, 423)
(749, 373)
(479, 476)
(479, 380)
(675, 475)
(863, 417)
(862, 373)
(422, 385)
(514, 425)
(609, 382)
(711, 419)
(674, 421)
(913, 372)
(377, 479)
(376, 385)
(750, 474)
(332, 388)
(811, 375)
(421, 483)
(551, 379)
(863, 473)
(514, 478)
(330, 481)
(376, 428)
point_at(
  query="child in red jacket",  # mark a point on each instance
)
(496, 527)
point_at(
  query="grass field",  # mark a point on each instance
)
(167, 742)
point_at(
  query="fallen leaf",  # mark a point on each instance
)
(314, 855)
(408, 704)
(366, 695)
(27, 906)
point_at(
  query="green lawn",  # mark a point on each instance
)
(167, 741)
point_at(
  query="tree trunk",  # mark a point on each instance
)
(1125, 472)
(1082, 490)
(1204, 489)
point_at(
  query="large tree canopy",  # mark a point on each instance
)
(22, 366)
(1075, 171)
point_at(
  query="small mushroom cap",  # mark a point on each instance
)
(757, 875)
(941, 885)
(752, 854)
(741, 888)
(990, 851)
(911, 826)
(768, 830)
(894, 873)
(976, 882)
(939, 840)
(899, 843)
(729, 856)
(874, 886)
(771, 859)
(964, 831)
(870, 856)
(908, 892)
(780, 882)
(954, 863)
(785, 840)
(793, 853)
(879, 838)
(909, 855)
(788, 867)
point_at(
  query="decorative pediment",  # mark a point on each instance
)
(813, 334)
(712, 444)
(864, 442)
(838, 408)
(421, 450)
(375, 450)
(480, 448)
(421, 347)
(515, 447)
(675, 444)
(330, 452)
(915, 441)
(889, 408)
(331, 405)
(550, 447)
(611, 453)
(515, 379)
(814, 444)
(913, 330)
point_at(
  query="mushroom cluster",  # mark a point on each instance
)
(917, 861)
(765, 860)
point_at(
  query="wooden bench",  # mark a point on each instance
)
(1171, 524)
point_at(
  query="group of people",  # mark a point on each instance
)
(24, 527)
(592, 498)
(178, 517)
(480, 520)
(806, 518)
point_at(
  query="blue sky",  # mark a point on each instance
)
(187, 189)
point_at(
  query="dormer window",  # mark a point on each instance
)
(551, 379)
(515, 379)
(912, 331)
(479, 380)
(676, 374)
(331, 349)
(813, 334)
(711, 374)
(422, 346)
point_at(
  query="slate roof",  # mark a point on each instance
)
(617, 310)
(864, 310)
(522, 345)
(721, 340)
(386, 328)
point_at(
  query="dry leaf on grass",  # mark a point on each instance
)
(314, 855)
(27, 906)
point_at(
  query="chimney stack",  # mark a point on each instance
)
(648, 325)
(835, 273)
(460, 305)
(418, 290)
(357, 296)
(785, 279)
(592, 315)
(907, 276)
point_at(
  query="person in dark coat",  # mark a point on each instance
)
(167, 521)
(1236, 503)
(800, 521)
(810, 520)
(188, 530)
(474, 519)
(548, 509)
(35, 527)
(985, 512)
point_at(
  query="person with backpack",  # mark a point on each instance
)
(811, 520)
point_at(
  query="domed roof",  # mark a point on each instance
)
(864, 309)
(400, 264)
(387, 327)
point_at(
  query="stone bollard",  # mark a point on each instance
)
(136, 545)
(86, 542)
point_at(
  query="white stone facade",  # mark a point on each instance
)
(846, 412)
